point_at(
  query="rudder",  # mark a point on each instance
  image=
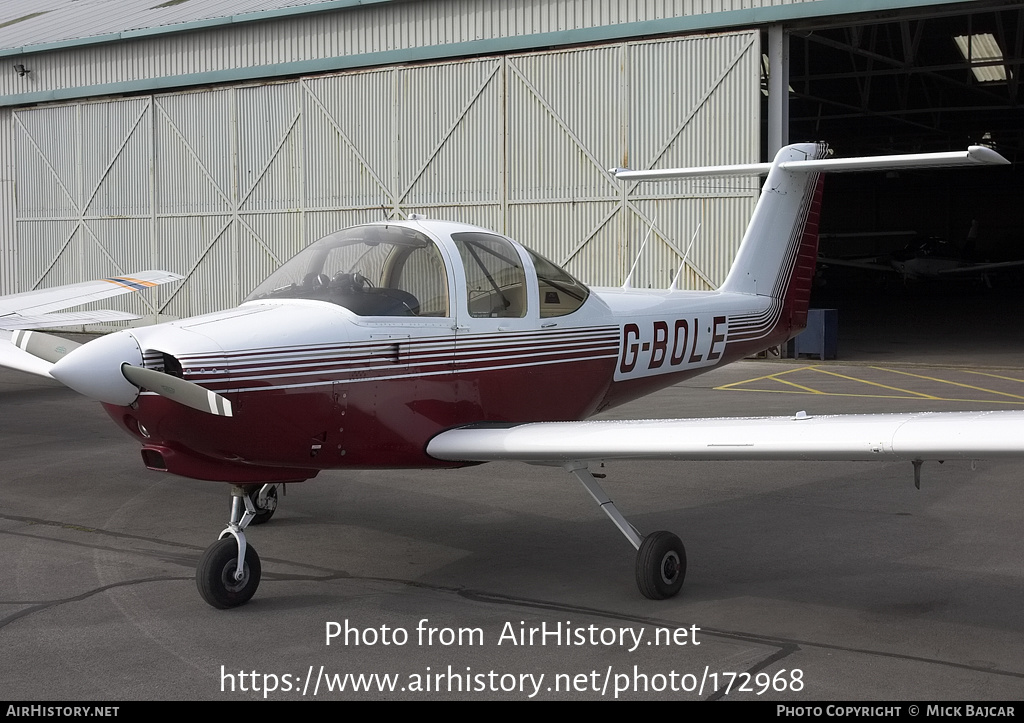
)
(779, 250)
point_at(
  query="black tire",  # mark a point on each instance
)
(263, 514)
(660, 565)
(215, 574)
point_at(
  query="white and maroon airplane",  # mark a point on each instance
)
(424, 343)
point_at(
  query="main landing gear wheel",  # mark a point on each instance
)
(215, 576)
(263, 511)
(660, 557)
(660, 565)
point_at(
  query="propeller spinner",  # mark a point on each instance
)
(109, 369)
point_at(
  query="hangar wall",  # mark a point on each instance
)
(8, 264)
(224, 184)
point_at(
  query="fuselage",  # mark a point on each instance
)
(337, 374)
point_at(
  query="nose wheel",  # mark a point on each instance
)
(217, 578)
(229, 570)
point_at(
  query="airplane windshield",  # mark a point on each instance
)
(374, 270)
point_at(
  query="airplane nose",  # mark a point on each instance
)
(94, 369)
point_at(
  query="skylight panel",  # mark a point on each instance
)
(984, 55)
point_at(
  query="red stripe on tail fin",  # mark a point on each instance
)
(797, 298)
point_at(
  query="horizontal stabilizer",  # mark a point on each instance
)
(973, 156)
(853, 437)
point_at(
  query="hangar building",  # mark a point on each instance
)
(216, 138)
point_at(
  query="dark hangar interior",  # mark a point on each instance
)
(936, 79)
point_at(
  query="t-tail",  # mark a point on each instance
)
(776, 258)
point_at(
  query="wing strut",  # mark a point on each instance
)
(660, 556)
(581, 472)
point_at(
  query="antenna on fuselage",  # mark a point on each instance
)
(685, 256)
(628, 283)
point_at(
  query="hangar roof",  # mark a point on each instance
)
(42, 25)
(45, 22)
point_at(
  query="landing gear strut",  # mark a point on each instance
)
(229, 571)
(661, 557)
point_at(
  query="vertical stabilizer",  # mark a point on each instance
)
(780, 248)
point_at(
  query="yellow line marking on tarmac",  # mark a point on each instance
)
(808, 390)
(850, 394)
(995, 376)
(955, 384)
(878, 396)
(740, 386)
(876, 384)
(766, 376)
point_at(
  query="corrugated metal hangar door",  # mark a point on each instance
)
(223, 185)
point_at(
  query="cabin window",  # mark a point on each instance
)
(495, 280)
(560, 293)
(376, 270)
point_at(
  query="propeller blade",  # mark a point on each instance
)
(178, 390)
(92, 369)
(44, 346)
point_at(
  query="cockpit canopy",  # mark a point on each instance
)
(395, 270)
(370, 270)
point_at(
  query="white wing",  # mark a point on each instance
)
(968, 269)
(31, 309)
(73, 318)
(919, 436)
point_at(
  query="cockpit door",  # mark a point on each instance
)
(496, 300)
(495, 293)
